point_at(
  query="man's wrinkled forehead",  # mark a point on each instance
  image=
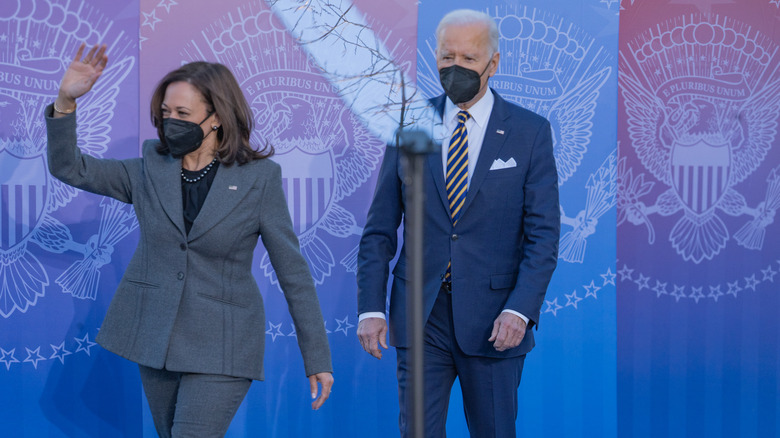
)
(481, 35)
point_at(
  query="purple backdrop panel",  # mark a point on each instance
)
(699, 186)
(62, 251)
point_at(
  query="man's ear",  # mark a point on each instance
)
(494, 68)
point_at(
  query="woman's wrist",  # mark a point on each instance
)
(63, 105)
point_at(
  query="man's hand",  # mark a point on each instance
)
(372, 333)
(508, 331)
(326, 380)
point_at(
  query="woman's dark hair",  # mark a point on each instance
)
(222, 95)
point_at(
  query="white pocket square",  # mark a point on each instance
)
(499, 164)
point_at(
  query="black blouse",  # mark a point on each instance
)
(193, 194)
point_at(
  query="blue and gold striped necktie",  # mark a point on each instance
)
(457, 175)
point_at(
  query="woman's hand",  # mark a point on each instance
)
(80, 76)
(326, 380)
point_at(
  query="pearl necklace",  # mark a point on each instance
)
(203, 173)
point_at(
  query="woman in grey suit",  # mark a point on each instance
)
(188, 309)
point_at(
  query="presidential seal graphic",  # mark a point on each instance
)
(37, 41)
(554, 69)
(324, 150)
(701, 106)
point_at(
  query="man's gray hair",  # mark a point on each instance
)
(470, 16)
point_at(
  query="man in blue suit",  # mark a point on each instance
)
(491, 240)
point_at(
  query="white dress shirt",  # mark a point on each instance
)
(475, 126)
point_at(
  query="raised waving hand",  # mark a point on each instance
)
(81, 75)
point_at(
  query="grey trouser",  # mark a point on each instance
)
(188, 405)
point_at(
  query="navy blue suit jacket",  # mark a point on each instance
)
(503, 249)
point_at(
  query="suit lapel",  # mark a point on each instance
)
(496, 133)
(231, 184)
(165, 173)
(434, 160)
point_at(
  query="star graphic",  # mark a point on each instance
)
(609, 278)
(552, 306)
(625, 273)
(751, 282)
(775, 2)
(167, 5)
(59, 352)
(274, 330)
(769, 274)
(84, 344)
(573, 299)
(344, 325)
(715, 293)
(660, 289)
(150, 19)
(609, 3)
(8, 358)
(253, 58)
(642, 282)
(34, 360)
(3, 38)
(36, 44)
(240, 64)
(326, 327)
(696, 294)
(679, 292)
(591, 289)
(293, 332)
(734, 288)
(52, 51)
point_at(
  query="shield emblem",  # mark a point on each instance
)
(23, 194)
(700, 171)
(308, 183)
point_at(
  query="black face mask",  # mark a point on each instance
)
(181, 136)
(459, 83)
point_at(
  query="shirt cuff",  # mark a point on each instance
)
(363, 316)
(523, 317)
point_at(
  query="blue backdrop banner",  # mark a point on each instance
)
(699, 187)
(63, 251)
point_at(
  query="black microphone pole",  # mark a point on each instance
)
(415, 146)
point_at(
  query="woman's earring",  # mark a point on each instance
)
(214, 128)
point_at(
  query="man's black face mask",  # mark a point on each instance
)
(459, 83)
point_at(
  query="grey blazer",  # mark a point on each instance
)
(189, 302)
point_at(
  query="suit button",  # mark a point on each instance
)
(180, 275)
(454, 237)
(183, 247)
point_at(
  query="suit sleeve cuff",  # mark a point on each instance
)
(363, 316)
(523, 317)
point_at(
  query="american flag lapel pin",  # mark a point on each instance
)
(500, 131)
(232, 187)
